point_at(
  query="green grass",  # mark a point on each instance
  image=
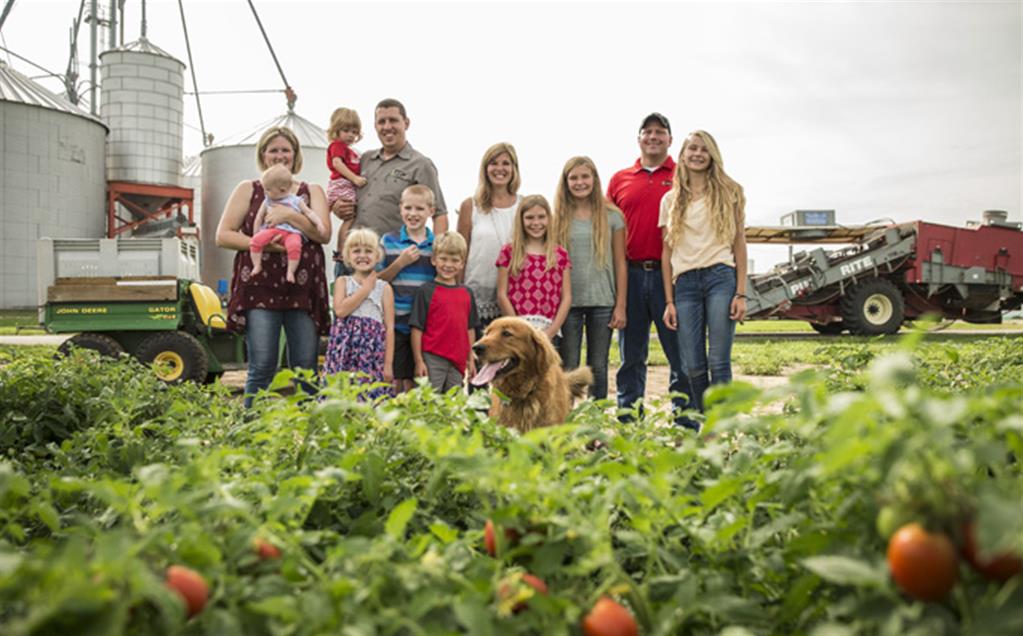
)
(801, 326)
(767, 356)
(774, 326)
(959, 325)
(19, 321)
(12, 352)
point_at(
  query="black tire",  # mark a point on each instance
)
(873, 307)
(180, 355)
(104, 345)
(828, 328)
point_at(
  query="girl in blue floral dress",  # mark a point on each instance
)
(362, 336)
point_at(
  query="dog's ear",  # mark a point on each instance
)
(546, 355)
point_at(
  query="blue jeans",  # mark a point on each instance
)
(262, 337)
(598, 343)
(645, 305)
(703, 300)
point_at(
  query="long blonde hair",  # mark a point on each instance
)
(518, 252)
(484, 197)
(565, 205)
(726, 202)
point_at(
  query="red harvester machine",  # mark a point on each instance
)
(891, 273)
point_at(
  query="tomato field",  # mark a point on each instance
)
(132, 507)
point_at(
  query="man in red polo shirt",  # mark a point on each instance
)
(637, 191)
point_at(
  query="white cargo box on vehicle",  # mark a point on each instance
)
(114, 258)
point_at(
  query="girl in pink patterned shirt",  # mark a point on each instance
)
(532, 270)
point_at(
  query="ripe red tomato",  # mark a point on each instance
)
(490, 538)
(535, 582)
(608, 618)
(923, 564)
(266, 550)
(190, 586)
(998, 567)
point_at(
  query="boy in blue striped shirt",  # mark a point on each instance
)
(407, 266)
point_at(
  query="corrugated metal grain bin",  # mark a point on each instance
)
(52, 179)
(142, 103)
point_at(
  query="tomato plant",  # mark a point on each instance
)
(767, 527)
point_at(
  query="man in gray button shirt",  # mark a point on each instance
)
(388, 171)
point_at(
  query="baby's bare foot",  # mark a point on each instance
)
(290, 277)
(256, 269)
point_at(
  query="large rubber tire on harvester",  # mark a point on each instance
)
(828, 329)
(873, 307)
(179, 356)
(104, 345)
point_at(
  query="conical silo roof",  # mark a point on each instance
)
(19, 89)
(142, 45)
(308, 133)
(191, 167)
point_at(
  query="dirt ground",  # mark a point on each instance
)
(657, 380)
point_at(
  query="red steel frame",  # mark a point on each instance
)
(121, 192)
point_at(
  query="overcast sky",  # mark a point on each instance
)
(904, 110)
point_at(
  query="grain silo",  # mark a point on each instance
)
(141, 101)
(233, 160)
(52, 179)
(191, 177)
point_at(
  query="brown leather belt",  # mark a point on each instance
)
(648, 266)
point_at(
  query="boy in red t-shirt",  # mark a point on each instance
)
(444, 318)
(343, 161)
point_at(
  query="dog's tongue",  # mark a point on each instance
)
(487, 373)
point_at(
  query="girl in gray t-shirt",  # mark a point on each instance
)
(593, 232)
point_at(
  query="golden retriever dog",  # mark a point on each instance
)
(521, 363)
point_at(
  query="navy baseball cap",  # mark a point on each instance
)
(658, 119)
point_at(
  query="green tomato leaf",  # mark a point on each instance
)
(282, 607)
(832, 629)
(444, 532)
(473, 617)
(47, 514)
(400, 516)
(719, 492)
(9, 562)
(373, 474)
(845, 571)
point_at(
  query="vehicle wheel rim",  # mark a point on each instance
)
(878, 309)
(169, 366)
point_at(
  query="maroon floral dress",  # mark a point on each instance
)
(269, 289)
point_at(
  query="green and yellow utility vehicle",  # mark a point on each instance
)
(140, 297)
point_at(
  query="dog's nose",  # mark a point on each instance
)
(479, 349)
